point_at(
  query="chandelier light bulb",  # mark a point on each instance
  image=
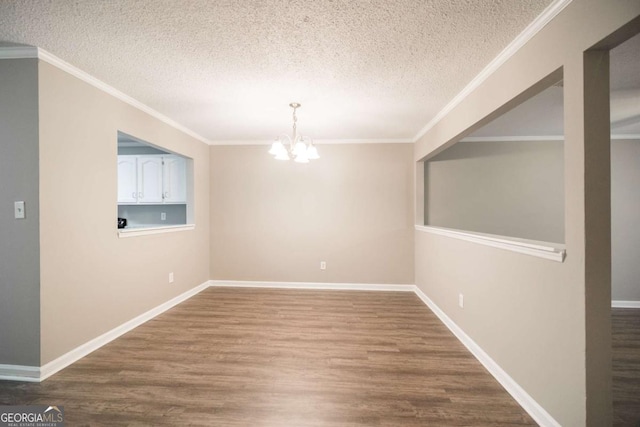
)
(302, 158)
(277, 147)
(299, 149)
(312, 152)
(283, 155)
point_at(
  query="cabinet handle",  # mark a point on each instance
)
(134, 195)
(166, 194)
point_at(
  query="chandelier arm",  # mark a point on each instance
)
(286, 139)
(301, 147)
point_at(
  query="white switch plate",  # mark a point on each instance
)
(18, 208)
(323, 265)
(461, 300)
(170, 277)
(163, 216)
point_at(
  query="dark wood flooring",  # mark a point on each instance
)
(626, 366)
(264, 357)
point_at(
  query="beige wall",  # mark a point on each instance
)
(516, 189)
(252, 213)
(275, 221)
(92, 281)
(546, 324)
(625, 219)
(508, 188)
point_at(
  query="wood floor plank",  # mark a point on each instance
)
(626, 366)
(265, 357)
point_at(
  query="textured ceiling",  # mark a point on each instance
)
(227, 70)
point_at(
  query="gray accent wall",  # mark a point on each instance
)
(19, 238)
(625, 219)
(508, 188)
(491, 187)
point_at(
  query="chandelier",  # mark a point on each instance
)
(297, 147)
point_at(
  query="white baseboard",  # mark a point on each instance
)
(312, 285)
(36, 374)
(20, 373)
(537, 412)
(527, 402)
(79, 352)
(625, 304)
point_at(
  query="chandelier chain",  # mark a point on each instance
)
(295, 119)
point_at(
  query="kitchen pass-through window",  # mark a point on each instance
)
(155, 187)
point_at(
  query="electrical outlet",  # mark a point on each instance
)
(461, 300)
(18, 208)
(163, 216)
(170, 277)
(323, 265)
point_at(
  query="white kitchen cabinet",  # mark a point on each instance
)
(174, 179)
(127, 179)
(152, 179)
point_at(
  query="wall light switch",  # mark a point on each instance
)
(163, 216)
(19, 210)
(461, 300)
(323, 265)
(170, 277)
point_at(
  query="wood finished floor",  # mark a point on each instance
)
(252, 357)
(626, 366)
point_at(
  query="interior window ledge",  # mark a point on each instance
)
(551, 251)
(132, 232)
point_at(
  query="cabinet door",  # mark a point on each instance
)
(150, 179)
(175, 179)
(127, 179)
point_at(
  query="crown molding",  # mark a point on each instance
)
(236, 142)
(365, 141)
(529, 32)
(99, 84)
(518, 138)
(20, 52)
(513, 138)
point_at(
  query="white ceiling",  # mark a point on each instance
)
(227, 70)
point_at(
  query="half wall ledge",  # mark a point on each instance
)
(551, 251)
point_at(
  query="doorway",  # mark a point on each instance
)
(625, 233)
